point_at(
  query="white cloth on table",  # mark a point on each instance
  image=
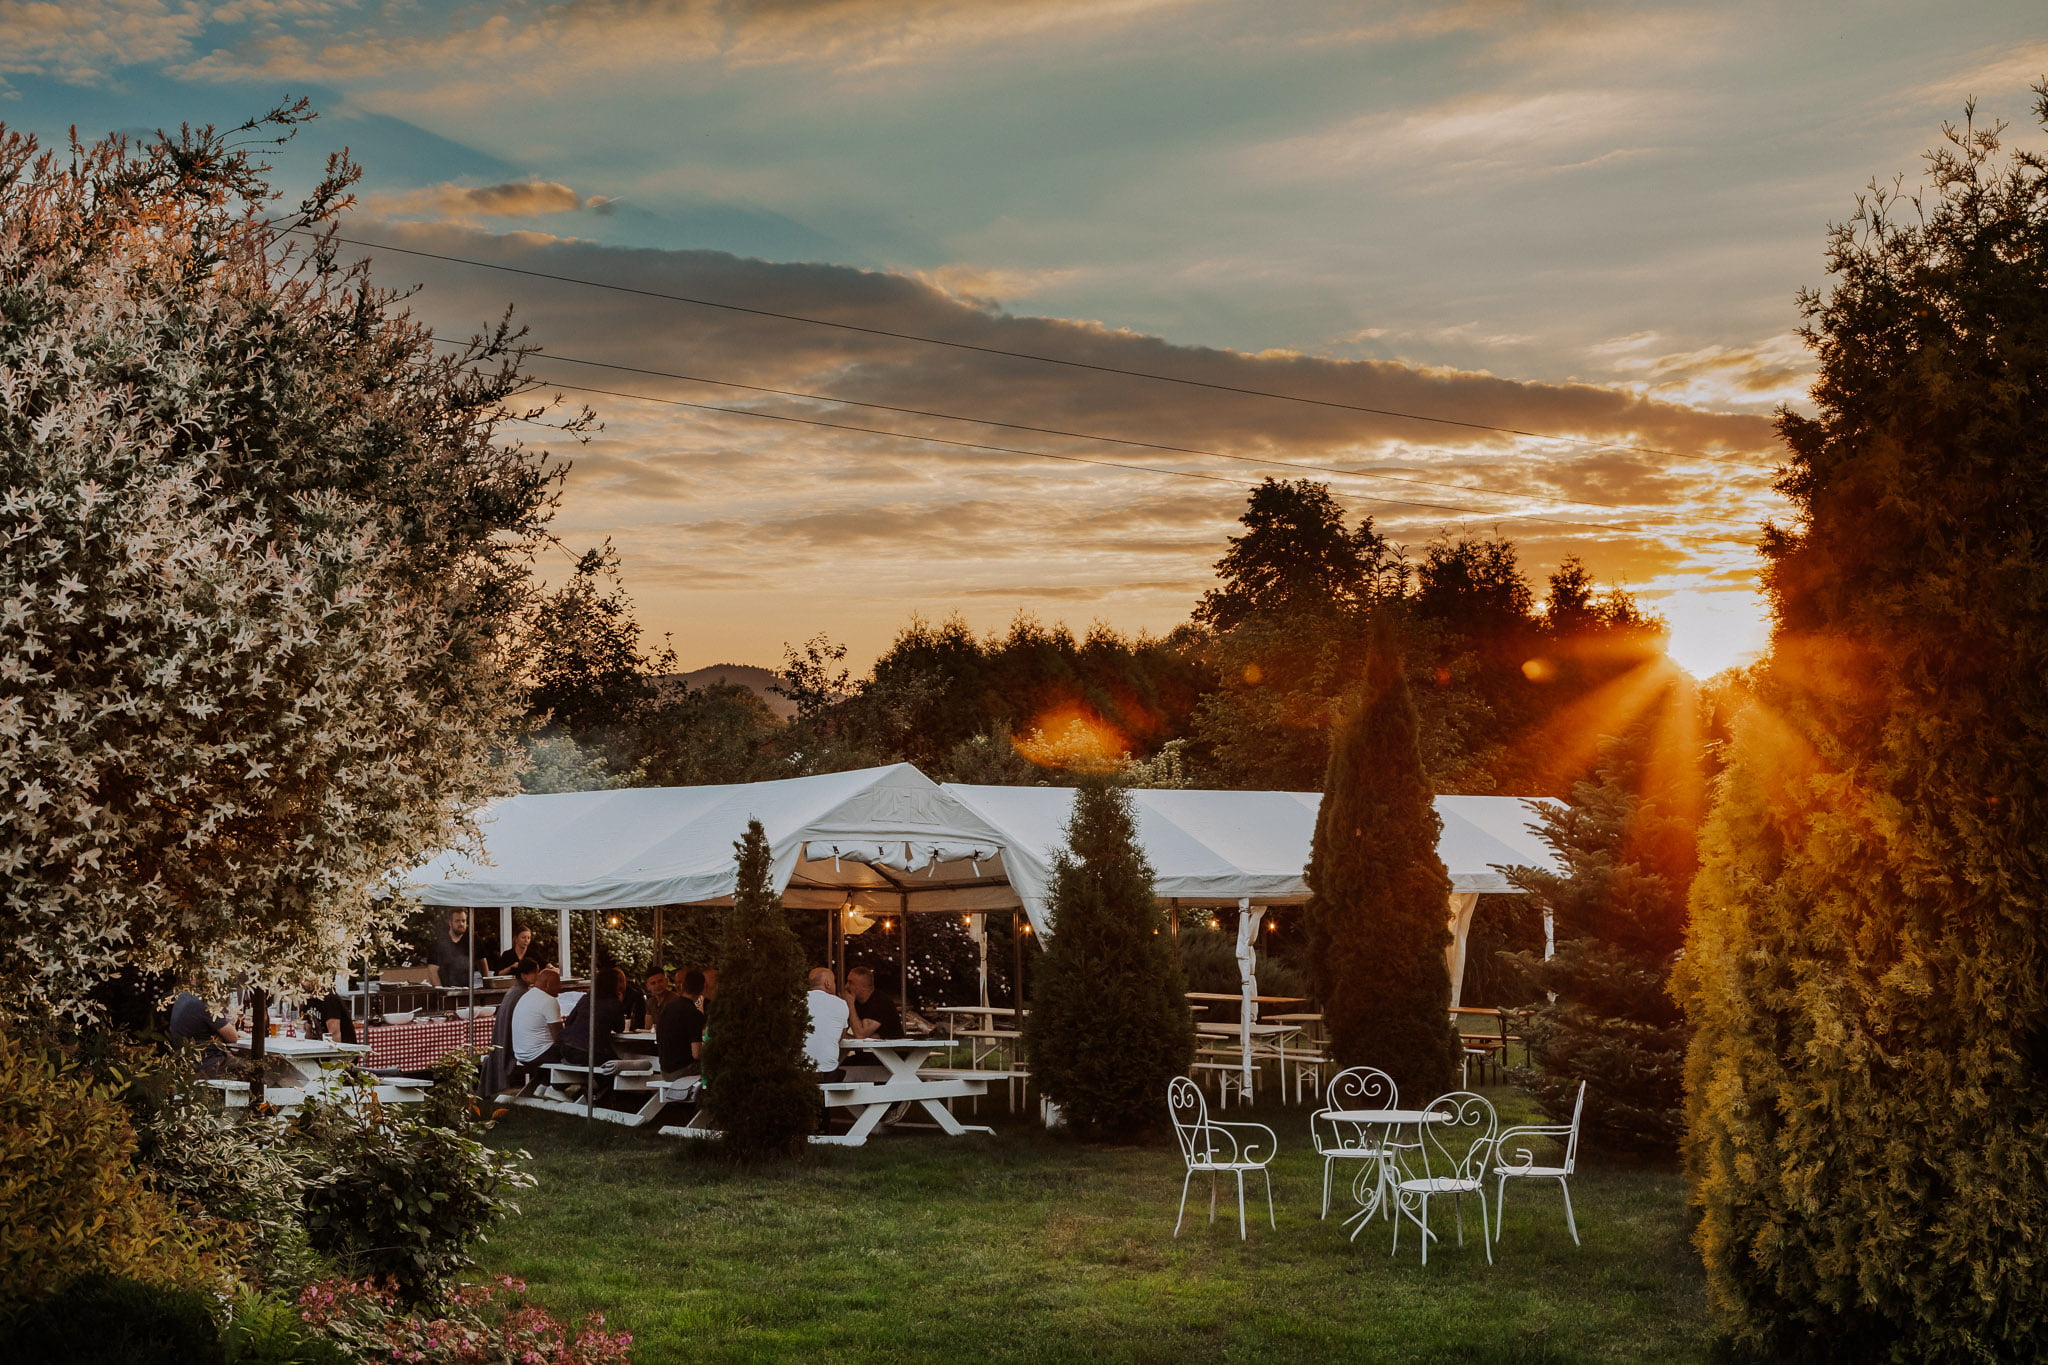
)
(531, 1034)
(829, 1018)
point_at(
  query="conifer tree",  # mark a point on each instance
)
(1109, 1026)
(1867, 1088)
(1378, 913)
(759, 1087)
(1619, 911)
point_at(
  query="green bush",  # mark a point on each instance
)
(1208, 962)
(1378, 913)
(71, 1202)
(759, 1088)
(265, 1330)
(112, 1320)
(394, 1196)
(1109, 1024)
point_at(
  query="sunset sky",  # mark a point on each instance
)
(1587, 223)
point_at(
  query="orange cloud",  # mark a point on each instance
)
(520, 199)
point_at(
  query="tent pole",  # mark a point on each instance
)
(1247, 984)
(469, 1022)
(590, 1037)
(659, 955)
(981, 955)
(564, 935)
(1017, 948)
(903, 948)
(504, 927)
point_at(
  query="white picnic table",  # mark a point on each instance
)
(904, 1081)
(314, 1064)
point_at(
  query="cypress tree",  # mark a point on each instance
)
(1378, 913)
(1109, 1025)
(1867, 1088)
(1610, 1019)
(759, 1087)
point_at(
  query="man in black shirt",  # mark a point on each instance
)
(192, 1022)
(453, 951)
(679, 1031)
(874, 1014)
(328, 1017)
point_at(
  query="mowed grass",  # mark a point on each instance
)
(1028, 1247)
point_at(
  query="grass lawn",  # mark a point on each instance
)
(1032, 1248)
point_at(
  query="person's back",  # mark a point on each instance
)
(610, 1014)
(829, 1016)
(535, 1022)
(679, 1030)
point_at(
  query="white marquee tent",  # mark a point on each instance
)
(892, 840)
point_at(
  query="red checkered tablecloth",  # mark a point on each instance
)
(417, 1046)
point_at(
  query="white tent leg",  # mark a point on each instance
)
(504, 928)
(562, 937)
(1248, 987)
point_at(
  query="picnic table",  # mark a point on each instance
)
(314, 1065)
(905, 1081)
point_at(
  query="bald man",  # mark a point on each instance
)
(829, 1018)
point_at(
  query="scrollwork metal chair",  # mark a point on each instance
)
(1360, 1087)
(1522, 1165)
(1450, 1157)
(1217, 1148)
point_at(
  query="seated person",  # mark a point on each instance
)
(453, 951)
(829, 1018)
(501, 1069)
(537, 1023)
(872, 1013)
(192, 1022)
(499, 964)
(679, 1031)
(328, 1016)
(656, 991)
(607, 1004)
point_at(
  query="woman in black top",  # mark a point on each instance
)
(607, 1001)
(500, 963)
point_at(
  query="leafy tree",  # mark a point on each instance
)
(588, 673)
(267, 560)
(1868, 1084)
(1296, 555)
(689, 736)
(1109, 1025)
(1378, 910)
(1607, 1016)
(557, 763)
(759, 1087)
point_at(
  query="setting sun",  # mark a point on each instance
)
(1711, 631)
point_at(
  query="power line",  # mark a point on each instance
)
(1026, 355)
(1079, 459)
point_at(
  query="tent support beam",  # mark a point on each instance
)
(903, 951)
(1462, 906)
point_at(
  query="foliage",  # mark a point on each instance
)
(759, 1087)
(587, 673)
(691, 736)
(1296, 556)
(555, 762)
(1868, 1084)
(71, 1202)
(104, 1319)
(1378, 914)
(392, 1193)
(477, 1324)
(264, 1329)
(1605, 1014)
(1208, 962)
(239, 1173)
(1109, 1024)
(265, 561)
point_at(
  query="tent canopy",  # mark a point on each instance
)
(892, 839)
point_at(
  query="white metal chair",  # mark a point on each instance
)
(1218, 1148)
(1522, 1165)
(1450, 1158)
(1361, 1087)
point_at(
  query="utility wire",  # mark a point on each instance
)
(1079, 459)
(1026, 355)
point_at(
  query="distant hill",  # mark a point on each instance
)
(750, 676)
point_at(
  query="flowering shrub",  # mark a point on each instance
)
(478, 1324)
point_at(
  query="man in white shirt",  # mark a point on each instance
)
(537, 1021)
(829, 1017)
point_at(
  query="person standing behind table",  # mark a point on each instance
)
(192, 1022)
(501, 1069)
(679, 1032)
(829, 1019)
(537, 1023)
(452, 950)
(501, 963)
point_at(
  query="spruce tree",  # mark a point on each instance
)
(1109, 1024)
(759, 1087)
(1378, 913)
(1608, 1017)
(1867, 1088)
